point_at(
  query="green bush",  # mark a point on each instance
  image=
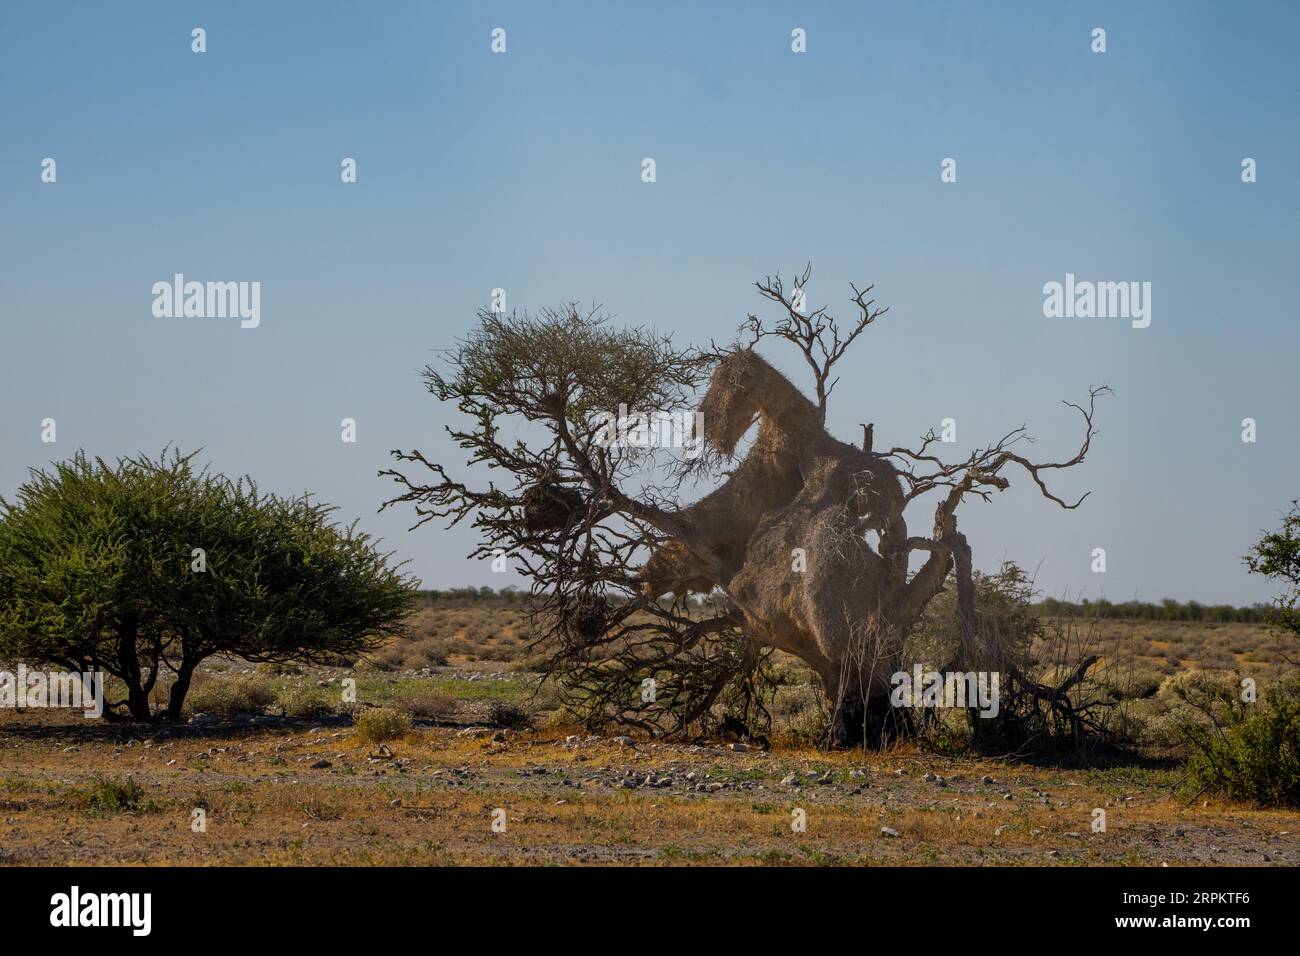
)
(143, 567)
(107, 795)
(379, 724)
(1244, 751)
(1277, 556)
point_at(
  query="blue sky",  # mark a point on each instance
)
(522, 170)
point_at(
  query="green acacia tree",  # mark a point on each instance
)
(1277, 556)
(146, 567)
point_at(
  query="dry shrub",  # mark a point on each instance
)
(430, 652)
(430, 706)
(307, 702)
(509, 716)
(230, 696)
(800, 715)
(380, 724)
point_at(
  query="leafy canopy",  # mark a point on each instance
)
(145, 567)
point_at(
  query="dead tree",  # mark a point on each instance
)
(581, 537)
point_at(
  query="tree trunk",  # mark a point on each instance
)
(848, 719)
(137, 698)
(176, 696)
(974, 652)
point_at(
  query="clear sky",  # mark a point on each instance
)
(522, 170)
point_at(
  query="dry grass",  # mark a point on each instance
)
(312, 792)
(442, 635)
(270, 799)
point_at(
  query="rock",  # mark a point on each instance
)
(630, 784)
(857, 774)
(791, 781)
(396, 803)
(203, 720)
(987, 779)
(1053, 852)
(888, 832)
(714, 787)
(625, 740)
(826, 778)
(998, 830)
(930, 778)
(738, 748)
(321, 765)
(1074, 836)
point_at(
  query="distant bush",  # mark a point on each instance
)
(430, 652)
(1166, 610)
(509, 716)
(230, 696)
(459, 597)
(379, 724)
(1134, 685)
(390, 657)
(307, 702)
(430, 706)
(1244, 751)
